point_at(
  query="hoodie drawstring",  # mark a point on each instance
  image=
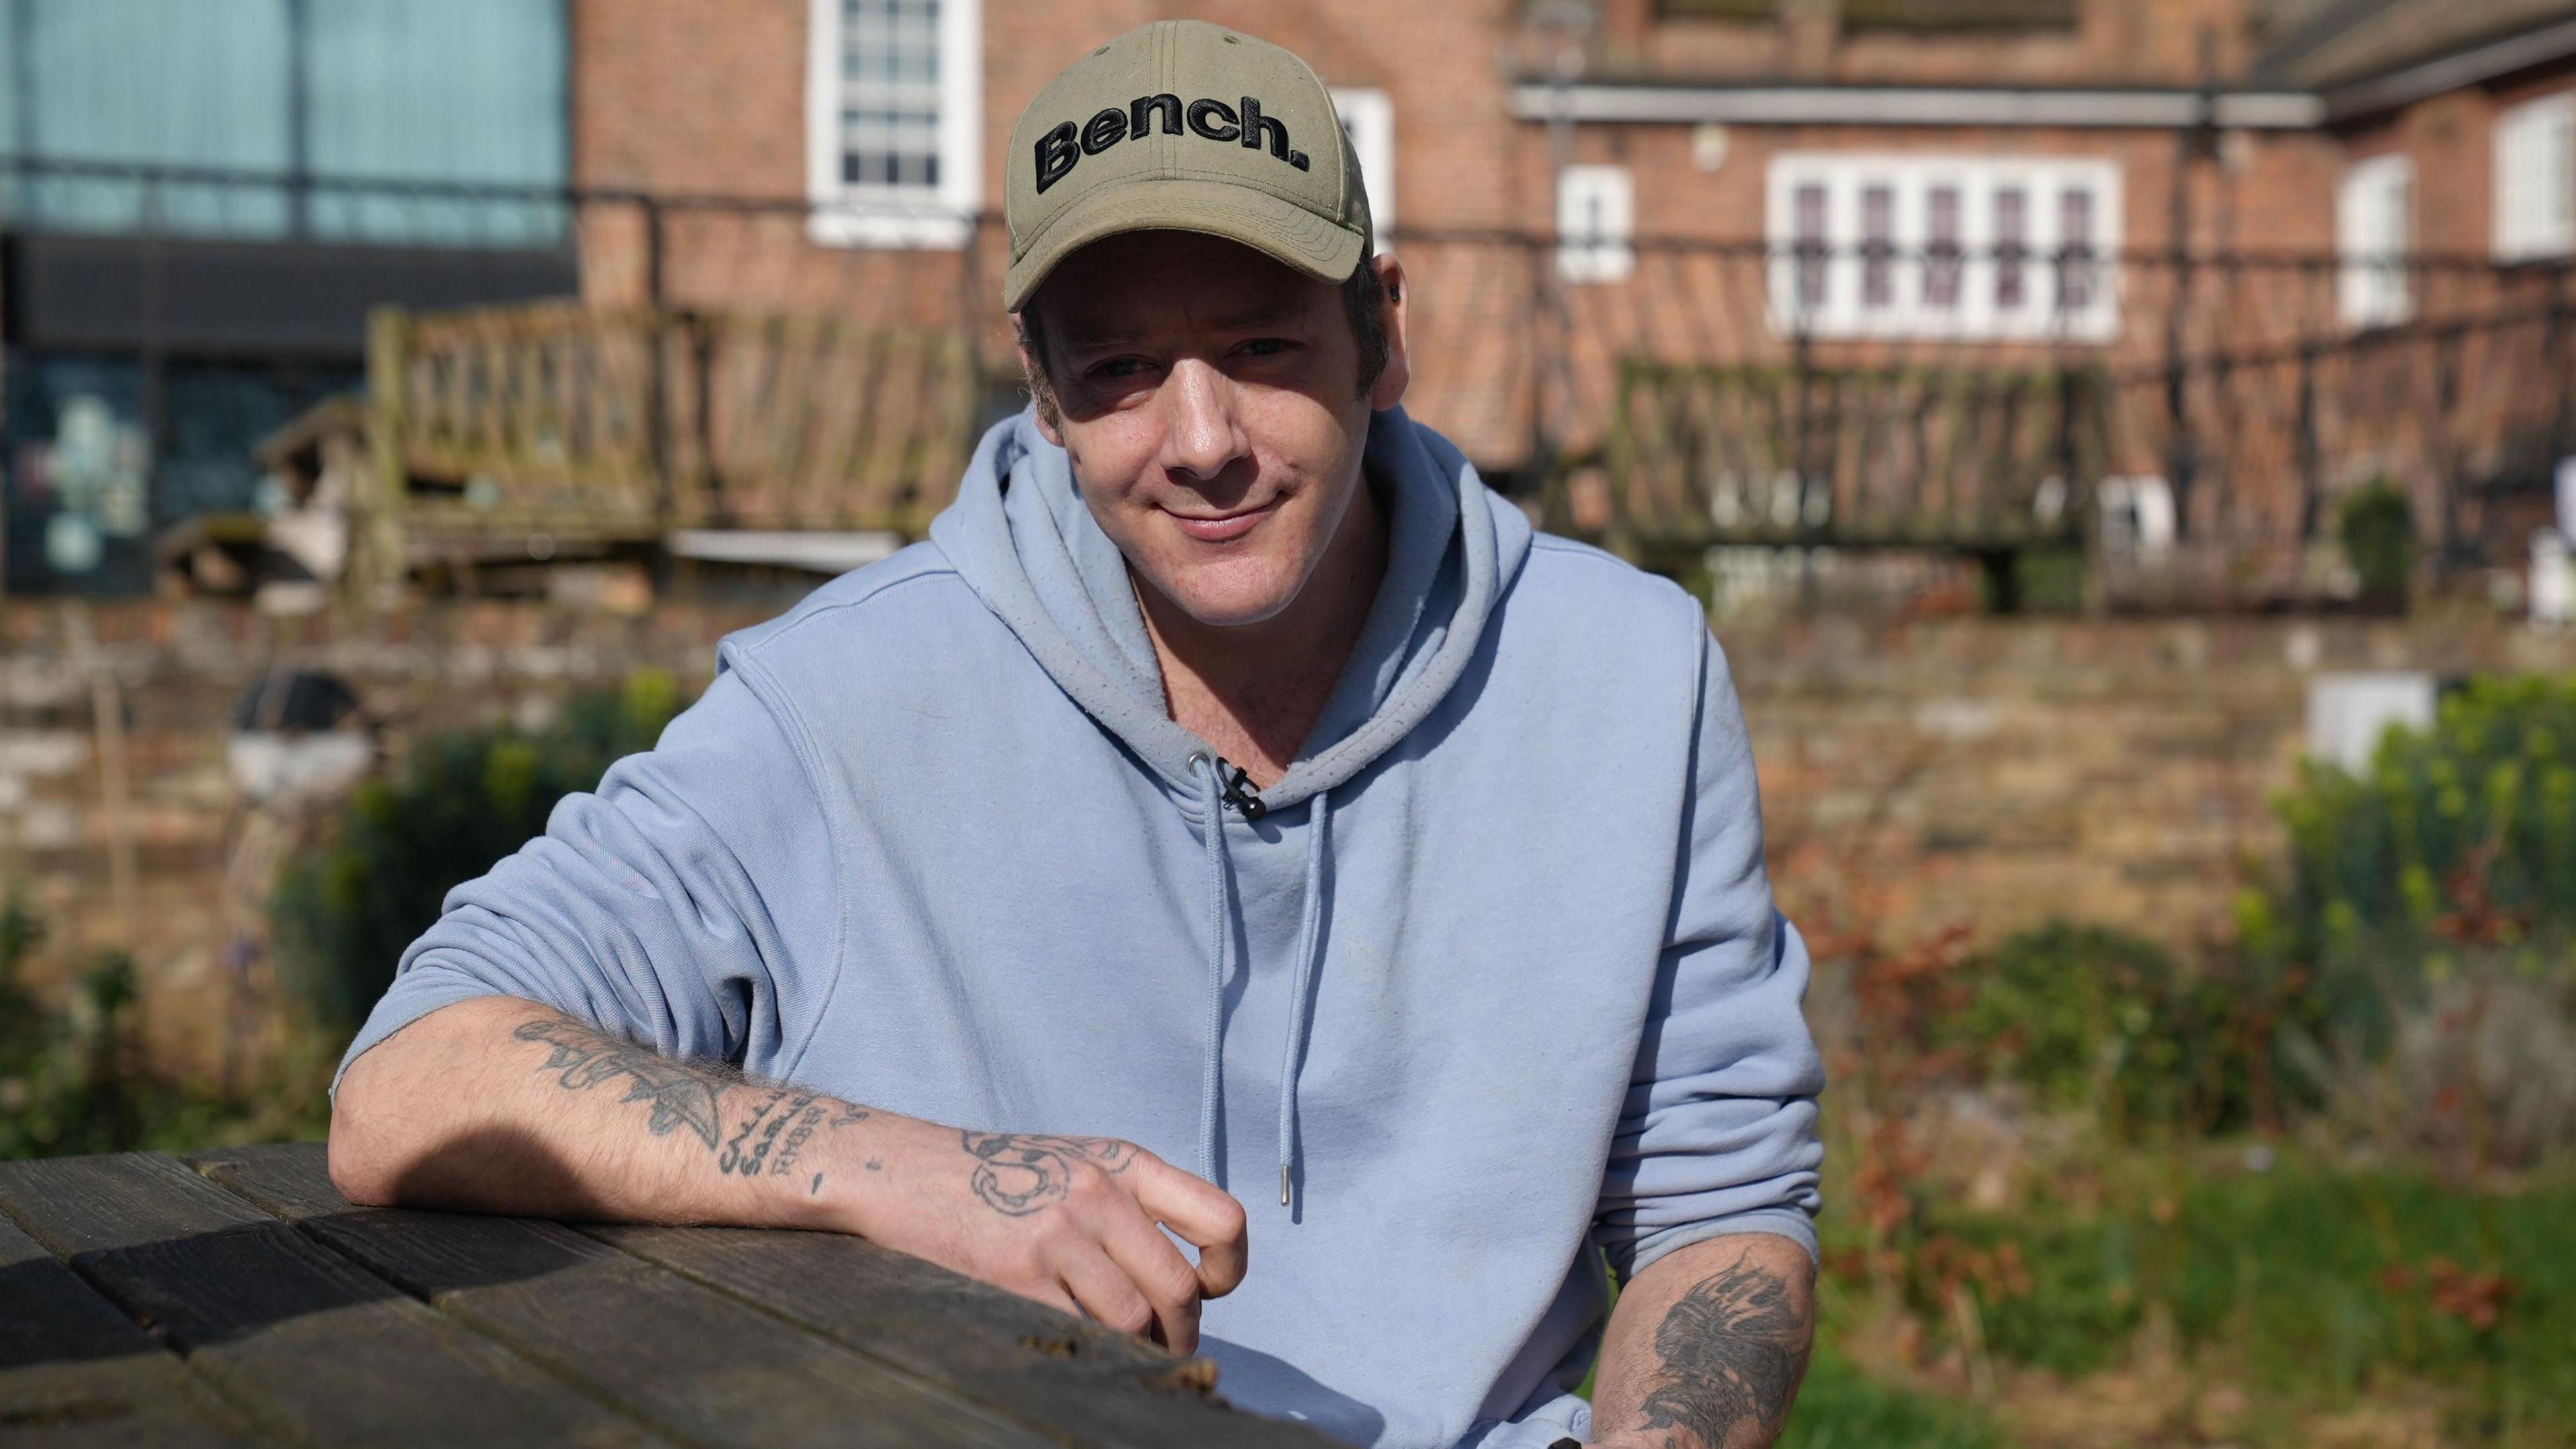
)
(1213, 792)
(1212, 817)
(1309, 923)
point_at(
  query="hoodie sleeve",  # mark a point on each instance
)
(1718, 1132)
(689, 904)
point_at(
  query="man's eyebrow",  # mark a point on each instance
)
(1097, 335)
(1267, 313)
(1094, 338)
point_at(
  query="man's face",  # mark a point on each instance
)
(1210, 400)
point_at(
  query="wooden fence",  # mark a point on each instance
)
(533, 428)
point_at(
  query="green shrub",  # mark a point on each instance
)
(74, 1080)
(346, 908)
(21, 1023)
(2049, 580)
(2377, 526)
(2096, 1019)
(2457, 843)
(65, 1077)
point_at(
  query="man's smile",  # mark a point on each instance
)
(1225, 527)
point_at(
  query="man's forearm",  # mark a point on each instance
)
(1707, 1347)
(504, 1106)
(501, 1105)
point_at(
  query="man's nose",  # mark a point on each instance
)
(1201, 437)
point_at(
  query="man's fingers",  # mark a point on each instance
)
(1201, 1213)
(1104, 1290)
(1158, 1270)
(1054, 1296)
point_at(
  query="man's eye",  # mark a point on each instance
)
(1267, 346)
(1117, 367)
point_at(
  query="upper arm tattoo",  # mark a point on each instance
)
(1733, 1349)
(772, 1137)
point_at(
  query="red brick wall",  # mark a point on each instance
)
(682, 97)
(2116, 42)
(2452, 140)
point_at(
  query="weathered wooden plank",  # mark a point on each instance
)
(703, 1364)
(76, 1372)
(305, 1343)
(1090, 1382)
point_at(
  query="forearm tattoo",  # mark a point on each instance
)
(1018, 1173)
(682, 1095)
(1733, 1349)
(772, 1138)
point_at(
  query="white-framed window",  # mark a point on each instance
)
(894, 131)
(1596, 224)
(2374, 235)
(2535, 180)
(1368, 118)
(1944, 246)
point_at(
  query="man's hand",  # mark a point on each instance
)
(1068, 1221)
(1706, 1348)
(499, 1105)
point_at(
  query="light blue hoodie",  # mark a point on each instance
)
(1490, 986)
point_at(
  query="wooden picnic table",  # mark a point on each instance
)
(234, 1297)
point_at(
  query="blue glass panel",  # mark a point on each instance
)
(464, 91)
(200, 84)
(8, 84)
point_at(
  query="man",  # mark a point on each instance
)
(1232, 821)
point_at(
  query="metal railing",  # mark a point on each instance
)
(1668, 394)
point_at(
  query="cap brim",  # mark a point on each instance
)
(1282, 230)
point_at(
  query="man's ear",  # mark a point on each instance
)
(1038, 391)
(1397, 375)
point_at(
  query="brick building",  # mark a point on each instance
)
(2220, 259)
(1997, 188)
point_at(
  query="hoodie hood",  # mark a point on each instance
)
(1025, 542)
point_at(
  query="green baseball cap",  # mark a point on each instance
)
(1183, 126)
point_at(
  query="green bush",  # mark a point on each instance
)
(2096, 1019)
(2457, 843)
(2377, 526)
(65, 1077)
(74, 1080)
(346, 908)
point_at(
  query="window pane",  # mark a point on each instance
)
(1878, 246)
(2075, 249)
(2535, 180)
(145, 82)
(890, 92)
(2374, 228)
(2012, 227)
(1941, 251)
(2553, 182)
(1596, 213)
(1811, 244)
(460, 91)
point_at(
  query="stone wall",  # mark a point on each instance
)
(199, 854)
(1917, 773)
(1985, 773)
